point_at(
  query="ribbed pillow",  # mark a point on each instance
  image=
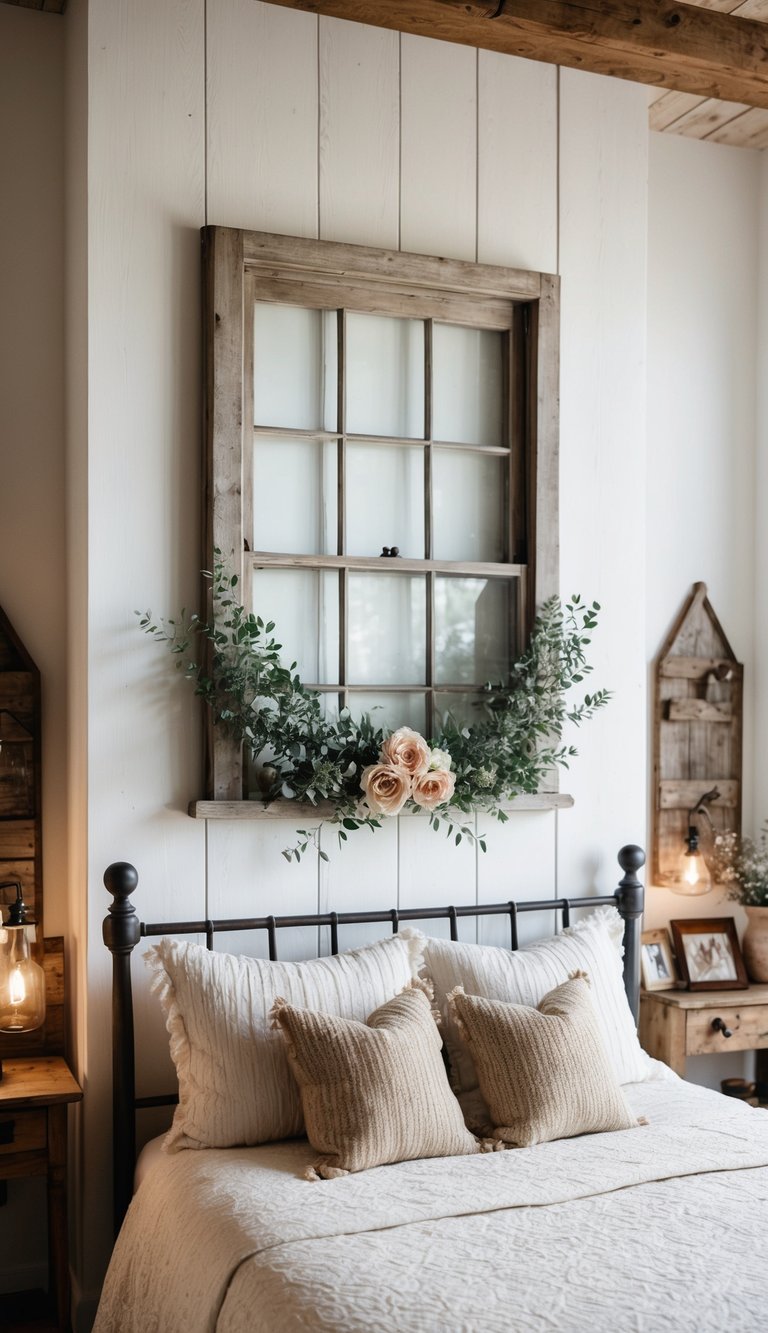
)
(235, 1086)
(543, 1072)
(594, 946)
(373, 1092)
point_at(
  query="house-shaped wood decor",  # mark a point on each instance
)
(697, 732)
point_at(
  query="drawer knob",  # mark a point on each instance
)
(719, 1026)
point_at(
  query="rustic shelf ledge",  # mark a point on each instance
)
(546, 800)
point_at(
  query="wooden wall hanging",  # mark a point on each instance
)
(697, 732)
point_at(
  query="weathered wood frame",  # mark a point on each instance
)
(239, 263)
(697, 733)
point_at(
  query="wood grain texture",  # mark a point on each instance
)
(662, 1031)
(697, 733)
(748, 1023)
(41, 1081)
(254, 810)
(682, 46)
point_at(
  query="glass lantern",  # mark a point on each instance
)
(22, 980)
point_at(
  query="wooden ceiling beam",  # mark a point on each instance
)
(681, 46)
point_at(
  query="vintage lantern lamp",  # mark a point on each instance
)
(695, 878)
(22, 980)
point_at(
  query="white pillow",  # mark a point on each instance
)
(594, 945)
(235, 1086)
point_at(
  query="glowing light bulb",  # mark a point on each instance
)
(17, 991)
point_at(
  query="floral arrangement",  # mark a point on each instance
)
(742, 865)
(351, 765)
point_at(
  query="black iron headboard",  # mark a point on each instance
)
(122, 931)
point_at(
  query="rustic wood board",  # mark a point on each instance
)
(697, 742)
(20, 785)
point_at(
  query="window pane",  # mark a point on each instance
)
(469, 493)
(386, 615)
(294, 367)
(462, 705)
(390, 711)
(304, 604)
(384, 499)
(294, 496)
(468, 385)
(474, 629)
(385, 376)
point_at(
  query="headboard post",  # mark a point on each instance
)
(121, 931)
(630, 900)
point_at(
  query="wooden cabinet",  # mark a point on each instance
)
(34, 1095)
(676, 1024)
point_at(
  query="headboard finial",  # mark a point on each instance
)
(121, 926)
(630, 898)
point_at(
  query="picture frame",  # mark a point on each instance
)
(708, 953)
(657, 963)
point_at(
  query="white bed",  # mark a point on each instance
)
(656, 1228)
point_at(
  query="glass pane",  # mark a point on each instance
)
(385, 376)
(386, 628)
(294, 496)
(468, 385)
(469, 494)
(474, 629)
(384, 499)
(390, 711)
(304, 604)
(462, 706)
(295, 358)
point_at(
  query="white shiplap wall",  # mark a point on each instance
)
(245, 114)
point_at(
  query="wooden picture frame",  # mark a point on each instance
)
(708, 954)
(657, 962)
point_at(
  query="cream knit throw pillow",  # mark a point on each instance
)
(373, 1092)
(544, 1072)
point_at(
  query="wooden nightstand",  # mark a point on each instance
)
(33, 1142)
(676, 1023)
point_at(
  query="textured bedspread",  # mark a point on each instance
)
(664, 1226)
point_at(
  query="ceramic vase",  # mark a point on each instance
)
(754, 945)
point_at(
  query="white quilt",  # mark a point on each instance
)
(656, 1228)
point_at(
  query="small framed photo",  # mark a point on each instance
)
(656, 962)
(708, 954)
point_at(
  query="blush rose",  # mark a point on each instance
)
(406, 749)
(433, 789)
(387, 788)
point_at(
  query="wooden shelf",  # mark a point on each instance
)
(546, 800)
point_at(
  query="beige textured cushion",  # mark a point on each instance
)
(544, 1072)
(235, 1086)
(373, 1092)
(593, 945)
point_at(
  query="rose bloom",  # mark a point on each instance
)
(433, 789)
(439, 759)
(387, 788)
(408, 750)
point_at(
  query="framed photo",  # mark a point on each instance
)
(657, 965)
(708, 954)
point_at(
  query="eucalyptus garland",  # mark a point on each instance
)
(364, 773)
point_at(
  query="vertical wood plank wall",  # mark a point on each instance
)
(246, 114)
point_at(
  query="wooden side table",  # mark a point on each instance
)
(34, 1094)
(676, 1023)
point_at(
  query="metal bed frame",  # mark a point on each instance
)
(122, 931)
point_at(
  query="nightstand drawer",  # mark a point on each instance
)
(22, 1131)
(749, 1026)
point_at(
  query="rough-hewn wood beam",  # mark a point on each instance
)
(683, 46)
(49, 6)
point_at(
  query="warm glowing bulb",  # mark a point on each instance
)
(692, 872)
(17, 991)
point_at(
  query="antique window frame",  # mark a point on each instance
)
(238, 265)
